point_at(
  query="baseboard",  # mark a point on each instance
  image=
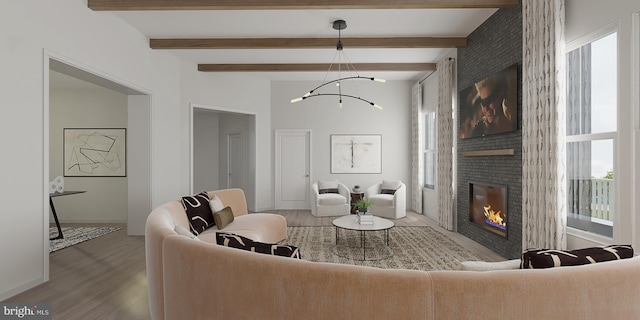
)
(22, 288)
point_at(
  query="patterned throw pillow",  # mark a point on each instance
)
(239, 242)
(389, 187)
(549, 258)
(332, 190)
(223, 217)
(327, 186)
(198, 212)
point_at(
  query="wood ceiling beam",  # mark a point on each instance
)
(292, 43)
(315, 67)
(122, 5)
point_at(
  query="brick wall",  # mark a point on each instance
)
(492, 47)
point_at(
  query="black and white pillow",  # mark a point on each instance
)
(327, 186)
(239, 242)
(549, 258)
(198, 212)
(389, 187)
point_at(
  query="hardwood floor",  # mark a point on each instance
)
(105, 278)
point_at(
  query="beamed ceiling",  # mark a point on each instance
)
(294, 40)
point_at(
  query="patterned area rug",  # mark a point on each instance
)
(418, 248)
(74, 235)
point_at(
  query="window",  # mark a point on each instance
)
(429, 149)
(591, 131)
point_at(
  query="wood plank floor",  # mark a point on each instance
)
(105, 278)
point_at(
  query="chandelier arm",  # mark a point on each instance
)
(345, 78)
(342, 95)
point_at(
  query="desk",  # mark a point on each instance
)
(53, 209)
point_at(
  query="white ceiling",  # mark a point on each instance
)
(309, 24)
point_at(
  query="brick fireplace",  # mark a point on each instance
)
(492, 47)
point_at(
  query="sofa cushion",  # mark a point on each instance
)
(549, 258)
(239, 242)
(223, 217)
(331, 199)
(489, 266)
(198, 212)
(383, 200)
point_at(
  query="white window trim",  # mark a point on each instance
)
(570, 46)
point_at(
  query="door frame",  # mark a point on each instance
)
(278, 161)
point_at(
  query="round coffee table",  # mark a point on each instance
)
(350, 222)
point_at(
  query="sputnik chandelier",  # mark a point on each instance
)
(340, 25)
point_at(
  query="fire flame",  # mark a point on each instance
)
(494, 216)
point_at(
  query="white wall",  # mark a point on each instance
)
(582, 18)
(323, 116)
(104, 44)
(206, 151)
(86, 106)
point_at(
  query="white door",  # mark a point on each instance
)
(234, 160)
(293, 167)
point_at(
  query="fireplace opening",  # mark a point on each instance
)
(488, 207)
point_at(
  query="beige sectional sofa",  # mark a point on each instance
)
(190, 279)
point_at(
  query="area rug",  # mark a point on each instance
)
(75, 235)
(417, 248)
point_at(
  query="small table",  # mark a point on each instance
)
(350, 222)
(355, 196)
(53, 209)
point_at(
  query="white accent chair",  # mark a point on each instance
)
(392, 206)
(330, 204)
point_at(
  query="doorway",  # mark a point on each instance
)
(134, 114)
(223, 150)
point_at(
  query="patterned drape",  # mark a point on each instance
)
(544, 221)
(417, 137)
(445, 143)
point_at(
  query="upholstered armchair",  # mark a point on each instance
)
(389, 199)
(330, 198)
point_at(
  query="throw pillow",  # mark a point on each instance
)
(389, 186)
(488, 266)
(549, 258)
(331, 190)
(327, 186)
(198, 212)
(185, 232)
(223, 217)
(216, 204)
(239, 242)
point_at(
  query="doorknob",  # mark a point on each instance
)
(306, 176)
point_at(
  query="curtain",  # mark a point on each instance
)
(417, 137)
(544, 221)
(445, 143)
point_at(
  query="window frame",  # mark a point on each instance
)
(588, 137)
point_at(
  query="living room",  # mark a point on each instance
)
(172, 82)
